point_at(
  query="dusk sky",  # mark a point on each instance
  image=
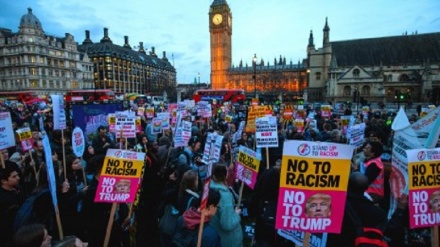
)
(268, 28)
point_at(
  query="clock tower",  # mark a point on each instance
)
(220, 29)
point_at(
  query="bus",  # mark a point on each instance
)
(26, 97)
(223, 95)
(101, 95)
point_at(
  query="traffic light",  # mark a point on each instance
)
(396, 95)
(402, 96)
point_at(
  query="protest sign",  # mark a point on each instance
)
(424, 187)
(288, 113)
(126, 125)
(266, 132)
(25, 138)
(78, 142)
(119, 176)
(254, 113)
(315, 239)
(165, 117)
(313, 174)
(248, 165)
(326, 111)
(299, 123)
(355, 135)
(157, 126)
(7, 138)
(211, 153)
(414, 136)
(59, 115)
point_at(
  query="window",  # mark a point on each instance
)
(365, 90)
(356, 72)
(403, 78)
(347, 91)
(318, 75)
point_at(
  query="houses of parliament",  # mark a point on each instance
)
(382, 69)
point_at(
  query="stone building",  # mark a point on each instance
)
(387, 69)
(125, 70)
(33, 60)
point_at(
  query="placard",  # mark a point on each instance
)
(119, 176)
(313, 184)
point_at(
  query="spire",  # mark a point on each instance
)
(311, 43)
(326, 28)
(87, 40)
(326, 37)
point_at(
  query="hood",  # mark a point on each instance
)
(192, 217)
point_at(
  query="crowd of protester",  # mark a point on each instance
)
(178, 189)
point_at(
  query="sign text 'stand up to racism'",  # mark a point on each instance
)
(314, 179)
(424, 187)
(120, 176)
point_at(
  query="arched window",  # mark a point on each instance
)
(347, 91)
(318, 75)
(365, 90)
(356, 72)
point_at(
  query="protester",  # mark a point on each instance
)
(102, 141)
(227, 219)
(10, 200)
(34, 235)
(191, 220)
(369, 214)
(374, 170)
(70, 241)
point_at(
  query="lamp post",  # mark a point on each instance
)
(254, 64)
(198, 75)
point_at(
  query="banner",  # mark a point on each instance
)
(50, 170)
(156, 126)
(59, 115)
(7, 138)
(120, 176)
(424, 187)
(90, 117)
(78, 142)
(247, 166)
(313, 184)
(266, 133)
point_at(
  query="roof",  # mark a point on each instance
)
(218, 2)
(110, 49)
(405, 49)
(30, 20)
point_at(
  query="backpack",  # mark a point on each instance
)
(365, 236)
(25, 213)
(184, 237)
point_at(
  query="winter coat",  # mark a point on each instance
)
(226, 221)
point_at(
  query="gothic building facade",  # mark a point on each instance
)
(381, 70)
(388, 69)
(34, 61)
(270, 81)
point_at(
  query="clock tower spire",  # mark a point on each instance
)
(220, 29)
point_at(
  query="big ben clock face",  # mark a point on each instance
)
(217, 19)
(229, 21)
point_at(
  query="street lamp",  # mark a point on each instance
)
(254, 64)
(198, 82)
